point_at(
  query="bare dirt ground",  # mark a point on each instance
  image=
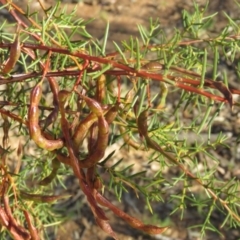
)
(124, 16)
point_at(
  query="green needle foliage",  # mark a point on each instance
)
(155, 95)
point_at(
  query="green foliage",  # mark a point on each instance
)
(176, 81)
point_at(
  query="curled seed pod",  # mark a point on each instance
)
(82, 130)
(103, 132)
(33, 231)
(5, 141)
(19, 158)
(142, 123)
(19, 149)
(97, 184)
(72, 159)
(42, 198)
(4, 220)
(52, 175)
(134, 222)
(112, 114)
(143, 129)
(54, 113)
(33, 125)
(93, 105)
(100, 88)
(6, 126)
(13, 226)
(163, 95)
(15, 52)
(106, 227)
(102, 139)
(152, 67)
(129, 141)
